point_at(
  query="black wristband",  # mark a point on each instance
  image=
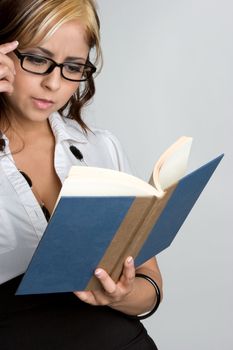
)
(158, 295)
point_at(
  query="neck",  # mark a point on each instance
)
(30, 133)
(28, 130)
(25, 127)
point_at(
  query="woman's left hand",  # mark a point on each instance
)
(112, 292)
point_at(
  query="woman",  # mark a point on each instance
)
(45, 80)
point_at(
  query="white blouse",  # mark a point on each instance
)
(22, 221)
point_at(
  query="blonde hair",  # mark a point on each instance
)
(34, 21)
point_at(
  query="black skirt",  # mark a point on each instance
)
(62, 322)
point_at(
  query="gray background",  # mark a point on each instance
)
(168, 72)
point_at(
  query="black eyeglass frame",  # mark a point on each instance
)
(22, 56)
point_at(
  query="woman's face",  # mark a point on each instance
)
(35, 97)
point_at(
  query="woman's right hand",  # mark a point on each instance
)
(7, 68)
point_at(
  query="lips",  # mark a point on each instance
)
(42, 104)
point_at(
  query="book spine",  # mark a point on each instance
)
(113, 258)
(132, 233)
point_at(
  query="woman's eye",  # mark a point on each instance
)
(36, 60)
(74, 68)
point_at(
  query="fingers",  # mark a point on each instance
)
(107, 283)
(7, 68)
(5, 86)
(6, 78)
(112, 292)
(86, 297)
(6, 73)
(8, 47)
(99, 297)
(127, 277)
(128, 273)
(116, 291)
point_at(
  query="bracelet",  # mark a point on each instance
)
(158, 295)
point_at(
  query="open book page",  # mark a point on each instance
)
(172, 165)
(93, 181)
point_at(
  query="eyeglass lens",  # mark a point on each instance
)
(42, 65)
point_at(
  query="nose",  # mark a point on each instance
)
(52, 81)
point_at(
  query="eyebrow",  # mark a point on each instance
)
(50, 54)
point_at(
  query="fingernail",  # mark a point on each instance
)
(15, 43)
(130, 260)
(98, 272)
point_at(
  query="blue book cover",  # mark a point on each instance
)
(82, 229)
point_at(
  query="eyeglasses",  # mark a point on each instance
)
(41, 65)
(43, 207)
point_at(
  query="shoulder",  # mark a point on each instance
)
(108, 144)
(105, 138)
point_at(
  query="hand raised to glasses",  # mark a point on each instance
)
(7, 69)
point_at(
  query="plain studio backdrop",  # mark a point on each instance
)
(168, 72)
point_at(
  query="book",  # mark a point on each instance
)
(103, 216)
